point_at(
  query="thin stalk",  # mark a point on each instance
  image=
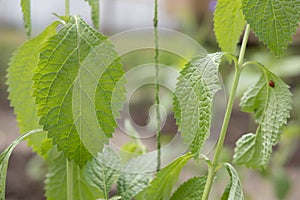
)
(67, 8)
(69, 180)
(213, 167)
(158, 119)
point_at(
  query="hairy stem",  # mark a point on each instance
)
(67, 8)
(69, 180)
(158, 119)
(238, 67)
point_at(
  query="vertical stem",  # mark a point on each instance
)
(69, 180)
(238, 68)
(158, 120)
(67, 8)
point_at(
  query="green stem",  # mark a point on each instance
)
(213, 167)
(158, 119)
(67, 8)
(69, 180)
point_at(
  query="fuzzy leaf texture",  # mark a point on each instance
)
(4, 158)
(136, 175)
(161, 186)
(94, 4)
(190, 190)
(270, 102)
(76, 79)
(25, 5)
(197, 85)
(19, 80)
(273, 21)
(233, 190)
(56, 181)
(104, 170)
(229, 24)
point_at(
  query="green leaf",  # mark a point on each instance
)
(19, 80)
(95, 12)
(160, 188)
(270, 102)
(136, 175)
(233, 190)
(25, 4)
(56, 181)
(193, 99)
(273, 21)
(104, 170)
(229, 23)
(77, 77)
(190, 190)
(4, 158)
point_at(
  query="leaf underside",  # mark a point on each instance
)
(77, 77)
(229, 23)
(190, 190)
(56, 181)
(197, 85)
(271, 106)
(25, 5)
(160, 187)
(273, 21)
(104, 170)
(19, 80)
(233, 190)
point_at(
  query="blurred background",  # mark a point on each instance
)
(195, 19)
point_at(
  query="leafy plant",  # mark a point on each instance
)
(68, 83)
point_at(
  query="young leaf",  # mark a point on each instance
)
(160, 188)
(4, 158)
(74, 85)
(19, 81)
(273, 21)
(25, 4)
(95, 12)
(56, 181)
(104, 170)
(233, 190)
(229, 23)
(136, 176)
(194, 94)
(270, 102)
(190, 190)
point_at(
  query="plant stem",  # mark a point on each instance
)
(213, 167)
(69, 180)
(67, 8)
(158, 119)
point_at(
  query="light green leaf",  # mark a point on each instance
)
(233, 190)
(56, 181)
(229, 23)
(190, 190)
(160, 188)
(193, 99)
(136, 175)
(25, 4)
(104, 170)
(19, 81)
(77, 77)
(95, 12)
(273, 21)
(4, 158)
(271, 107)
